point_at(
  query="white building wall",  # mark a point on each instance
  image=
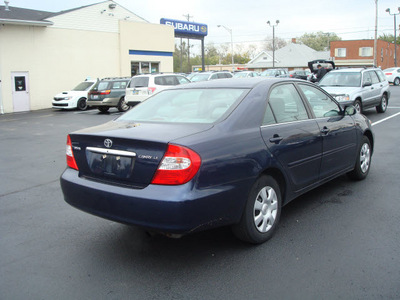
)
(56, 59)
(146, 37)
(99, 17)
(82, 43)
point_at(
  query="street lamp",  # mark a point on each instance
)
(273, 41)
(230, 31)
(394, 18)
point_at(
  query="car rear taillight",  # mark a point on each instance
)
(388, 73)
(291, 75)
(70, 155)
(178, 166)
(106, 92)
(151, 90)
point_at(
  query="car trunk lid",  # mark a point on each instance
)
(126, 154)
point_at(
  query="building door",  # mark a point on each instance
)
(20, 91)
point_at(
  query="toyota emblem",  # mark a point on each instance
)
(108, 143)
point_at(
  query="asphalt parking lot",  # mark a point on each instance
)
(340, 241)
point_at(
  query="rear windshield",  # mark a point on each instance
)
(83, 86)
(186, 106)
(137, 82)
(350, 79)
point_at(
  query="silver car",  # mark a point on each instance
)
(364, 88)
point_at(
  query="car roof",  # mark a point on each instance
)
(352, 70)
(246, 83)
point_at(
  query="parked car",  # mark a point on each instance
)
(364, 88)
(299, 74)
(204, 76)
(393, 75)
(275, 73)
(75, 98)
(109, 92)
(215, 153)
(245, 74)
(141, 87)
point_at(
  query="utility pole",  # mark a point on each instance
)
(273, 41)
(376, 34)
(189, 66)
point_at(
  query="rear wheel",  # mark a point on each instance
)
(358, 106)
(396, 81)
(103, 109)
(261, 213)
(363, 161)
(82, 105)
(381, 108)
(122, 105)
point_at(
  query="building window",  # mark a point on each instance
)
(340, 52)
(141, 67)
(365, 51)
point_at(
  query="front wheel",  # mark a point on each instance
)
(363, 161)
(82, 105)
(381, 108)
(261, 213)
(357, 106)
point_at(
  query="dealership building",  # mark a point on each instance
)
(43, 53)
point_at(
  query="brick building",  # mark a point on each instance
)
(360, 53)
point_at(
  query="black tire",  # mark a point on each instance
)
(103, 109)
(82, 105)
(396, 81)
(261, 213)
(363, 161)
(381, 108)
(358, 106)
(122, 105)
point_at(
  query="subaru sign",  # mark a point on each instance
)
(182, 28)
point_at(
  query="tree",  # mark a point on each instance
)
(389, 38)
(319, 41)
(279, 43)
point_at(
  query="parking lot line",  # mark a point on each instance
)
(385, 119)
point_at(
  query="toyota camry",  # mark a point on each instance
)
(216, 153)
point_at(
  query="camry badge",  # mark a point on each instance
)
(108, 143)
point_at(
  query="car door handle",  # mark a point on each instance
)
(325, 130)
(276, 139)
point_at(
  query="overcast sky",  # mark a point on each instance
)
(350, 19)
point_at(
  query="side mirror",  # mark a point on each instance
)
(367, 83)
(350, 110)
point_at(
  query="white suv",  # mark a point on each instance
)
(76, 98)
(140, 87)
(364, 88)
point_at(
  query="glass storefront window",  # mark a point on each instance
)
(144, 67)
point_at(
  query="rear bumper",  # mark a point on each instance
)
(170, 209)
(135, 99)
(104, 102)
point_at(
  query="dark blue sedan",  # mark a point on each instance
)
(216, 153)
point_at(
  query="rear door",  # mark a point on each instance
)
(292, 136)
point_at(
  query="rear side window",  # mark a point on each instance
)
(374, 77)
(286, 104)
(103, 85)
(381, 75)
(165, 80)
(137, 82)
(118, 85)
(268, 117)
